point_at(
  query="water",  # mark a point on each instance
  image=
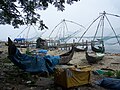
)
(110, 47)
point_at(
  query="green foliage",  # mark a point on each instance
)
(117, 73)
(28, 51)
(109, 73)
(24, 12)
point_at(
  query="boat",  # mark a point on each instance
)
(66, 57)
(80, 49)
(100, 49)
(36, 64)
(94, 58)
(21, 43)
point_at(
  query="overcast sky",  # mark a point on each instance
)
(82, 12)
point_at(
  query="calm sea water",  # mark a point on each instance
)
(110, 47)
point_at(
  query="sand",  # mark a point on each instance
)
(109, 61)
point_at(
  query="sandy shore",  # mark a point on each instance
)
(109, 61)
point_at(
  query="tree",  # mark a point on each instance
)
(23, 12)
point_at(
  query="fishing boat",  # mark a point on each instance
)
(21, 42)
(36, 64)
(66, 57)
(99, 49)
(80, 49)
(94, 58)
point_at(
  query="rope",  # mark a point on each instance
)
(112, 29)
(112, 43)
(76, 23)
(110, 37)
(66, 26)
(55, 28)
(22, 31)
(88, 28)
(112, 15)
(35, 30)
(69, 36)
(102, 27)
(57, 35)
(97, 29)
(28, 31)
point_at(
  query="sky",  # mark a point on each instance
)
(82, 12)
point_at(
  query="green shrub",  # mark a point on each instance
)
(109, 73)
(117, 74)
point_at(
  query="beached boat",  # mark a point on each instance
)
(35, 64)
(21, 42)
(94, 58)
(99, 49)
(66, 57)
(80, 49)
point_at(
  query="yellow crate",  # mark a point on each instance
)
(71, 77)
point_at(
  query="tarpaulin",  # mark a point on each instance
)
(109, 83)
(71, 77)
(34, 63)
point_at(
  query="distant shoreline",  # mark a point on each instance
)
(110, 49)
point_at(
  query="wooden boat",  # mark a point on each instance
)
(21, 43)
(36, 64)
(80, 49)
(66, 57)
(100, 49)
(94, 58)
